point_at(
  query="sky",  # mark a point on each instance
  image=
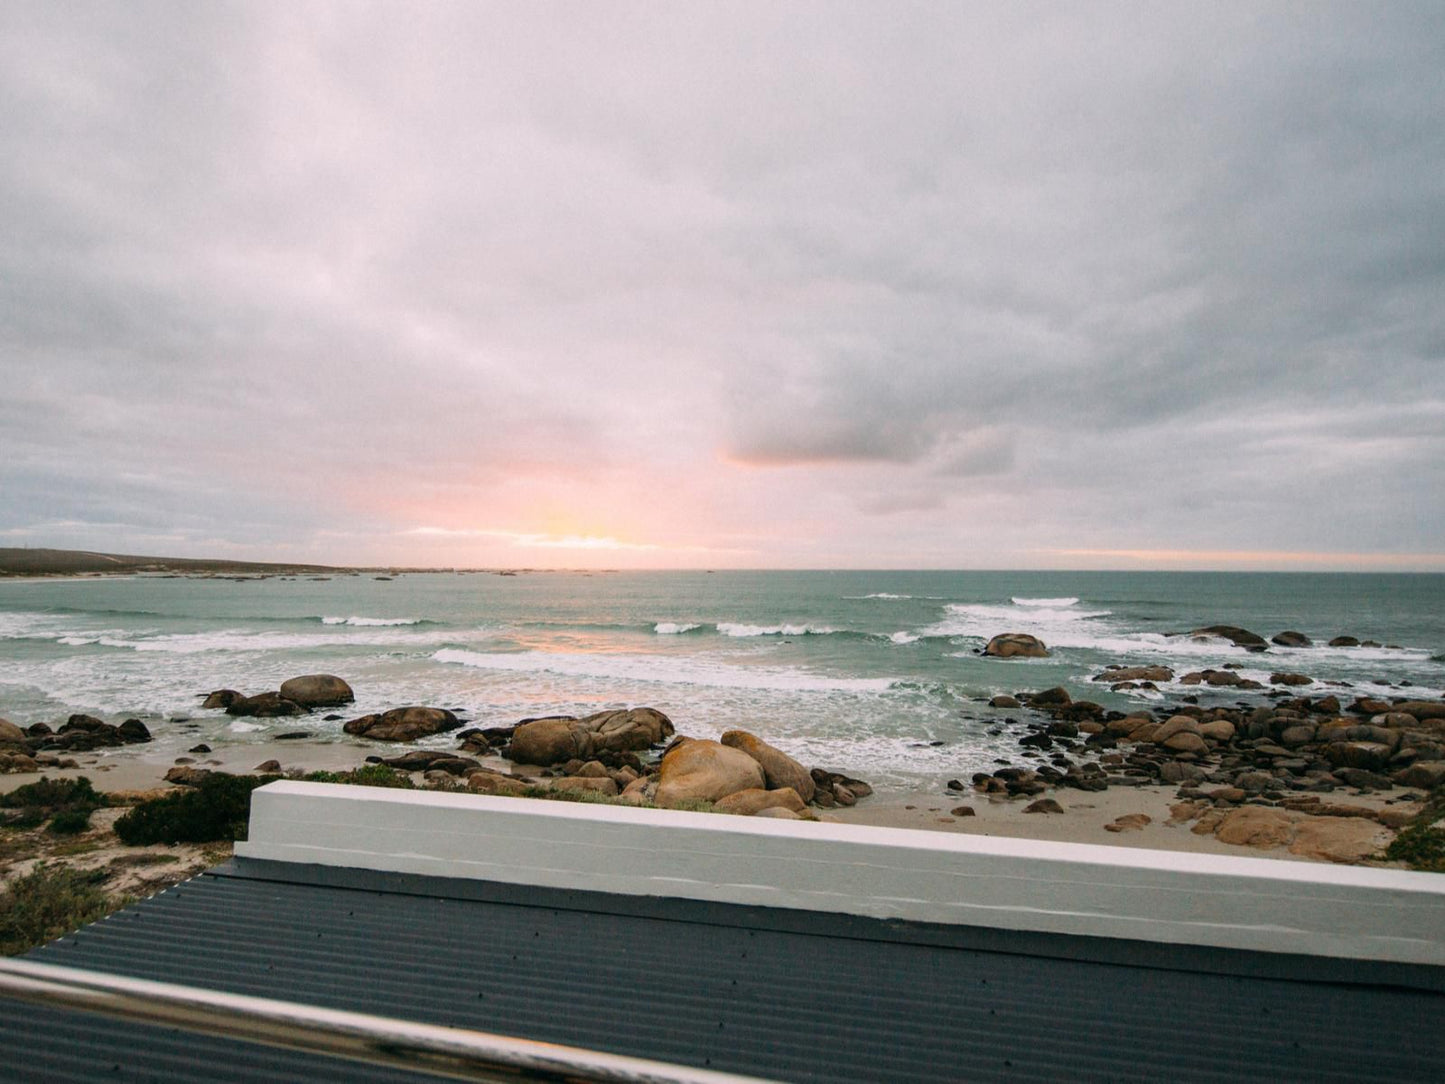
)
(838, 285)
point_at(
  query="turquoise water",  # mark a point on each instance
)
(857, 671)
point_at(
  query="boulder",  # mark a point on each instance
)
(1002, 701)
(1255, 826)
(1372, 756)
(1422, 710)
(1290, 638)
(1285, 678)
(1011, 645)
(586, 783)
(1220, 730)
(267, 767)
(483, 781)
(221, 698)
(1044, 805)
(779, 813)
(779, 769)
(1236, 635)
(1114, 674)
(187, 777)
(134, 732)
(403, 724)
(1426, 776)
(748, 803)
(317, 691)
(705, 771)
(1058, 696)
(1175, 724)
(1344, 641)
(10, 734)
(427, 760)
(1185, 742)
(1339, 839)
(264, 706)
(1129, 822)
(560, 738)
(553, 740)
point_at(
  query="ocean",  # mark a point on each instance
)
(875, 674)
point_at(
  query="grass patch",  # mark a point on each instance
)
(66, 803)
(1421, 843)
(47, 903)
(368, 775)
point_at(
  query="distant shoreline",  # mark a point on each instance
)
(16, 563)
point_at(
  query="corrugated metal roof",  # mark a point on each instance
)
(795, 997)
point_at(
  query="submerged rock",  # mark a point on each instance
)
(1236, 635)
(1290, 638)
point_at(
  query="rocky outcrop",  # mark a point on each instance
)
(1234, 634)
(317, 691)
(10, 734)
(269, 705)
(1115, 674)
(403, 724)
(1290, 638)
(779, 769)
(1016, 645)
(84, 733)
(558, 739)
(699, 770)
(748, 803)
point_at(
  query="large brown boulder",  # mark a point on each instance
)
(1012, 645)
(1422, 710)
(317, 691)
(221, 698)
(1114, 674)
(10, 734)
(749, 803)
(1370, 755)
(1291, 638)
(403, 724)
(704, 771)
(560, 738)
(264, 706)
(779, 769)
(1339, 839)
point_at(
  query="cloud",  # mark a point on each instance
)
(980, 278)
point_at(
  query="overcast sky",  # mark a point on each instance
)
(746, 284)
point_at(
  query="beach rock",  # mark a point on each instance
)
(747, 803)
(1058, 696)
(427, 760)
(1175, 724)
(483, 781)
(134, 732)
(1370, 755)
(1290, 638)
(1255, 826)
(779, 769)
(1422, 710)
(1425, 776)
(1185, 742)
(1290, 679)
(1044, 805)
(187, 777)
(586, 783)
(1010, 645)
(1004, 702)
(1339, 839)
(1220, 730)
(264, 706)
(560, 738)
(1344, 641)
(221, 698)
(1129, 822)
(962, 811)
(403, 724)
(701, 770)
(546, 741)
(10, 734)
(1369, 705)
(317, 691)
(267, 767)
(779, 813)
(1114, 674)
(1236, 635)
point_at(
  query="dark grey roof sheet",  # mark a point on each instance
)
(793, 996)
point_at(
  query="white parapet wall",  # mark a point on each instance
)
(1344, 912)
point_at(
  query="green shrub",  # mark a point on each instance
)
(47, 903)
(1421, 843)
(49, 798)
(216, 809)
(69, 822)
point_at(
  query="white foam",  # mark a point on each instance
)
(371, 622)
(674, 628)
(903, 637)
(728, 628)
(659, 670)
(1045, 603)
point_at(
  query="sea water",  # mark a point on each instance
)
(877, 674)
